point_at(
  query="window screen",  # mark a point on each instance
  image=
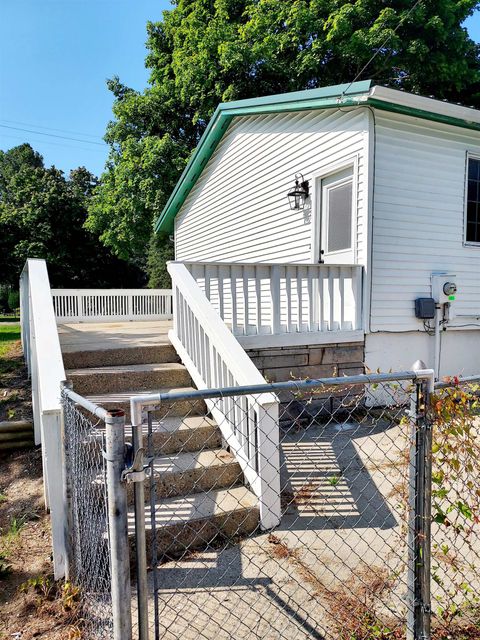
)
(340, 217)
(473, 201)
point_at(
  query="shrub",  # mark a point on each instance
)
(13, 300)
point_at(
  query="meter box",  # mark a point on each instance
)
(425, 308)
(444, 287)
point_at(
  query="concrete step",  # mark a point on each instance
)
(189, 472)
(182, 408)
(173, 434)
(121, 378)
(114, 356)
(198, 520)
(176, 434)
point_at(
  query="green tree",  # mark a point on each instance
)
(42, 215)
(207, 51)
(160, 251)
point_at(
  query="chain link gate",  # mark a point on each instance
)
(336, 546)
(98, 562)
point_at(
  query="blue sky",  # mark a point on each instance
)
(55, 56)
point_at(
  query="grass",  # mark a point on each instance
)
(9, 537)
(9, 334)
(9, 318)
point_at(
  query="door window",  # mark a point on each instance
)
(337, 218)
(339, 234)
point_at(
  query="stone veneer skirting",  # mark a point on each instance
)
(310, 361)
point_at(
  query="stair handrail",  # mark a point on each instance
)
(215, 359)
(43, 356)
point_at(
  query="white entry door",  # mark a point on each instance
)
(337, 218)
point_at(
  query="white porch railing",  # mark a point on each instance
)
(105, 305)
(214, 359)
(291, 304)
(41, 348)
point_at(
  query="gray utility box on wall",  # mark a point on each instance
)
(425, 308)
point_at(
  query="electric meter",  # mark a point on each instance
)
(444, 287)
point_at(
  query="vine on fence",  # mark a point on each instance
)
(456, 499)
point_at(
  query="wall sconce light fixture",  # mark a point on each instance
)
(299, 193)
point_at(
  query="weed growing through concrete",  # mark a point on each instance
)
(333, 480)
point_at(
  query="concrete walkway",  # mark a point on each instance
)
(92, 336)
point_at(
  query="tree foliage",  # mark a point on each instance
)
(42, 216)
(207, 51)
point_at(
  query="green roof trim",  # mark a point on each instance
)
(421, 113)
(322, 98)
(356, 94)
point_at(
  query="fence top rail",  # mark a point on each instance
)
(93, 408)
(266, 264)
(57, 292)
(457, 382)
(291, 385)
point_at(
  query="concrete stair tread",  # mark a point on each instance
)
(119, 399)
(192, 460)
(127, 368)
(191, 472)
(182, 510)
(173, 424)
(176, 434)
(115, 345)
(120, 378)
(118, 354)
(170, 425)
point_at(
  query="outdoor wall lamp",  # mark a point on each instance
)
(299, 193)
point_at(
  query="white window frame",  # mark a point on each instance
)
(468, 243)
(327, 171)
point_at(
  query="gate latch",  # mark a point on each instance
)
(137, 471)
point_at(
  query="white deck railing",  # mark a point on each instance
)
(41, 348)
(105, 305)
(215, 359)
(293, 304)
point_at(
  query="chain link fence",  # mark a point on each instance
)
(335, 564)
(341, 509)
(456, 507)
(87, 517)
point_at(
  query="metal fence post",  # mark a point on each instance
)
(420, 490)
(67, 490)
(139, 501)
(118, 525)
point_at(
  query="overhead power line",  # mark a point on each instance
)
(40, 126)
(390, 35)
(53, 135)
(17, 136)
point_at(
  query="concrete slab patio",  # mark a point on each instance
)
(138, 342)
(90, 336)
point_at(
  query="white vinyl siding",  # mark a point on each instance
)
(239, 211)
(418, 224)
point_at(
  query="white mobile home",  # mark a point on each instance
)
(387, 196)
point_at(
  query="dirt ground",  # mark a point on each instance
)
(15, 397)
(32, 605)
